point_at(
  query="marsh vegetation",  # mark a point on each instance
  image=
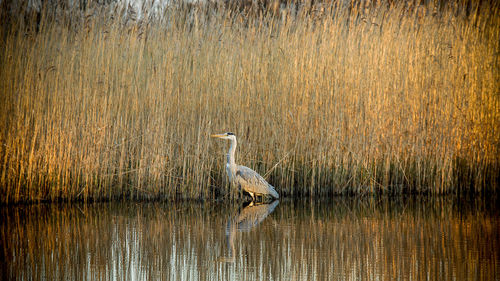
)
(389, 98)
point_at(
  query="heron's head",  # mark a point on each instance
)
(226, 136)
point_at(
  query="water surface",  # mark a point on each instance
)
(341, 239)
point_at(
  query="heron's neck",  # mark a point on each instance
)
(230, 154)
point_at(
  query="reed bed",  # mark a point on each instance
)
(335, 100)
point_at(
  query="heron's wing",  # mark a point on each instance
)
(252, 181)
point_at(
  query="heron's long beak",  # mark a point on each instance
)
(218, 136)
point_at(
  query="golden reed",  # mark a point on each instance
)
(328, 101)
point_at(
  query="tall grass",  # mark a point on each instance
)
(336, 101)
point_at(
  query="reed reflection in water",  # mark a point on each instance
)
(343, 239)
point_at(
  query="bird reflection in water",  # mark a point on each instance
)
(249, 217)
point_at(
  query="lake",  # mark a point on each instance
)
(344, 238)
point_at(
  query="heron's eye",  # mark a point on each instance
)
(230, 134)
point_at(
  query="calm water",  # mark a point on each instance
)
(343, 239)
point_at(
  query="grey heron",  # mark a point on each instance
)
(244, 177)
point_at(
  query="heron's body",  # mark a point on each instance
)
(244, 177)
